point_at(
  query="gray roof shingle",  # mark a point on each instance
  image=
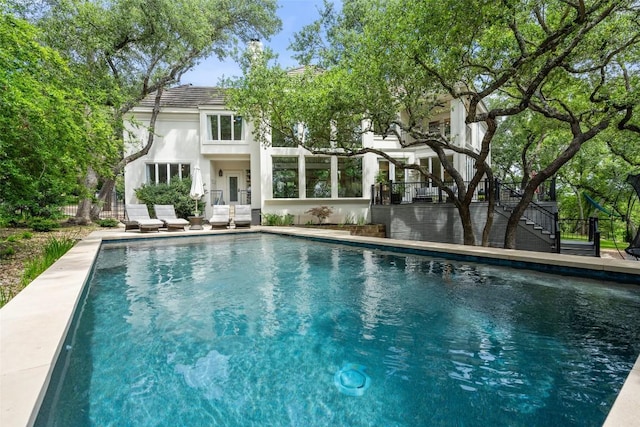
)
(187, 96)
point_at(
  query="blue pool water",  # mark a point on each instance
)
(259, 330)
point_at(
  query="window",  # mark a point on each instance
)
(162, 173)
(285, 177)
(349, 176)
(225, 127)
(318, 176)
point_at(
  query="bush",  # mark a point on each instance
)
(43, 224)
(6, 250)
(108, 222)
(275, 219)
(176, 194)
(320, 212)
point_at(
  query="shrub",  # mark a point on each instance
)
(275, 219)
(320, 212)
(176, 193)
(43, 224)
(26, 235)
(6, 250)
(108, 222)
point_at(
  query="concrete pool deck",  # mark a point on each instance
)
(33, 325)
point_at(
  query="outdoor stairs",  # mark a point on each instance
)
(577, 248)
(568, 247)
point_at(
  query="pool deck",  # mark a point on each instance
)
(34, 323)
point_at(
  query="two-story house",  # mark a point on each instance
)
(195, 128)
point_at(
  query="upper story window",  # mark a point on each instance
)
(225, 127)
(163, 173)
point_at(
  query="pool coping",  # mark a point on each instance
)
(47, 305)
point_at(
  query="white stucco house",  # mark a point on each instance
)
(195, 128)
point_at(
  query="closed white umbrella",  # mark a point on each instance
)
(197, 187)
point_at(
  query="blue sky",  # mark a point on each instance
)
(294, 14)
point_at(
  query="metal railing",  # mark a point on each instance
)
(508, 196)
(113, 207)
(216, 197)
(418, 192)
(584, 230)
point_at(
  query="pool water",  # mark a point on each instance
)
(257, 330)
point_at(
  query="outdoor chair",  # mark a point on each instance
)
(167, 214)
(138, 218)
(220, 217)
(242, 217)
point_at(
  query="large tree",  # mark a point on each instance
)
(45, 121)
(556, 59)
(126, 50)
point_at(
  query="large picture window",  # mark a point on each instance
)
(285, 178)
(163, 173)
(225, 127)
(349, 176)
(318, 177)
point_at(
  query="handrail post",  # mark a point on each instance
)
(497, 189)
(556, 222)
(552, 190)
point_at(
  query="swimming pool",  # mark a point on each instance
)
(253, 330)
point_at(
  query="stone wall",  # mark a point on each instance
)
(440, 222)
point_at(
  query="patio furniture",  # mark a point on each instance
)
(423, 194)
(138, 218)
(167, 214)
(220, 217)
(242, 217)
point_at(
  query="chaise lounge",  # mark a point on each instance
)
(220, 217)
(167, 214)
(138, 218)
(242, 217)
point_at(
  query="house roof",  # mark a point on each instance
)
(187, 96)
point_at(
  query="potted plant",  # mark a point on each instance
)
(397, 193)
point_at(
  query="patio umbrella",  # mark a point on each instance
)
(197, 188)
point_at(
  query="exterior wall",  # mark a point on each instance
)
(176, 141)
(441, 223)
(183, 137)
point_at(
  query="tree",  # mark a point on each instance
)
(45, 126)
(125, 50)
(553, 59)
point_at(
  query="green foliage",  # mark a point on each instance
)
(54, 248)
(7, 249)
(45, 140)
(320, 212)
(44, 224)
(176, 193)
(277, 220)
(108, 222)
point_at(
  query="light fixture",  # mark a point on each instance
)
(220, 172)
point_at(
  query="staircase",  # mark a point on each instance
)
(543, 223)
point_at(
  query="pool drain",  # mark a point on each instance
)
(352, 380)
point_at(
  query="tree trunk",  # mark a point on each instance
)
(105, 191)
(83, 214)
(469, 237)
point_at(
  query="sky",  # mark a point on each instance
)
(294, 15)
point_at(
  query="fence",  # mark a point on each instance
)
(113, 207)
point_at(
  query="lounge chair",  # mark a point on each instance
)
(138, 218)
(167, 214)
(220, 217)
(242, 217)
